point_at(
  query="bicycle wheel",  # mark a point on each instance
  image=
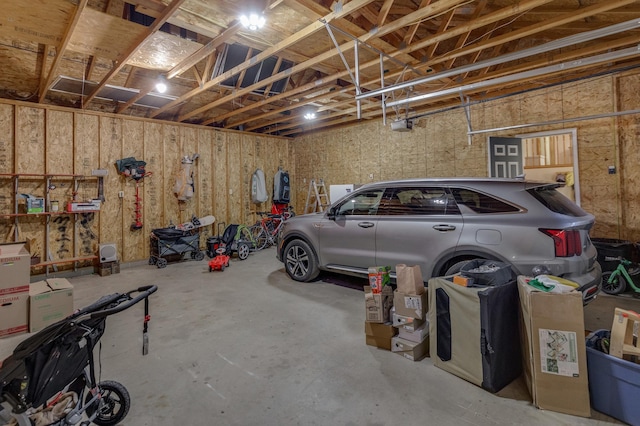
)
(613, 285)
(258, 236)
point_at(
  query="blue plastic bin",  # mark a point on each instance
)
(614, 383)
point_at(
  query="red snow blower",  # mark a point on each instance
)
(134, 169)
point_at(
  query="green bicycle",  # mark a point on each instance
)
(626, 274)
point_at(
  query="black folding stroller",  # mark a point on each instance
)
(50, 378)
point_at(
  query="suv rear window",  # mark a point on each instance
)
(481, 203)
(555, 201)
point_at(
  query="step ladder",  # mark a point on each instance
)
(317, 198)
(623, 343)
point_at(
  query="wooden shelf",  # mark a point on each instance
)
(68, 260)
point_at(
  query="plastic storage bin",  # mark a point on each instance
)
(614, 383)
(487, 272)
(609, 247)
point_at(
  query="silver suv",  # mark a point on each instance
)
(440, 224)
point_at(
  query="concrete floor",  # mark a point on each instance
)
(249, 346)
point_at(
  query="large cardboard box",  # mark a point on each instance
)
(379, 335)
(50, 301)
(378, 305)
(410, 305)
(15, 264)
(415, 351)
(14, 310)
(554, 349)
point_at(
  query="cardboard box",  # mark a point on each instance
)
(379, 335)
(410, 350)
(410, 305)
(417, 335)
(554, 349)
(379, 278)
(50, 301)
(14, 310)
(378, 305)
(408, 323)
(15, 265)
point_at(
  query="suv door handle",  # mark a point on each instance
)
(444, 228)
(365, 224)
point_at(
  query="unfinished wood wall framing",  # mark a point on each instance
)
(60, 141)
(438, 146)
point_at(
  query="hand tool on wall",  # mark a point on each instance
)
(134, 169)
(101, 173)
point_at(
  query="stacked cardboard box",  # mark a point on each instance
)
(50, 301)
(409, 314)
(377, 327)
(554, 349)
(378, 298)
(15, 264)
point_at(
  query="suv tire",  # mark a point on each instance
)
(456, 267)
(300, 261)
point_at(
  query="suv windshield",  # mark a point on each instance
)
(555, 201)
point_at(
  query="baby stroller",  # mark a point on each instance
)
(234, 238)
(50, 378)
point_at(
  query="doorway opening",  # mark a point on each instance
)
(542, 156)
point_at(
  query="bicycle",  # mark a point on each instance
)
(626, 274)
(265, 231)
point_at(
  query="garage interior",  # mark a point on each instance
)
(302, 93)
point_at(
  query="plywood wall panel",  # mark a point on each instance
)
(188, 146)
(204, 180)
(59, 152)
(114, 216)
(172, 156)
(154, 214)
(235, 183)
(220, 177)
(133, 240)
(86, 146)
(30, 140)
(6, 166)
(247, 166)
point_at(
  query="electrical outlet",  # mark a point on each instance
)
(121, 194)
(371, 176)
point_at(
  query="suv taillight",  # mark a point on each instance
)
(566, 243)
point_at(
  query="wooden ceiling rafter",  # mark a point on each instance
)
(531, 29)
(399, 23)
(60, 49)
(139, 40)
(287, 42)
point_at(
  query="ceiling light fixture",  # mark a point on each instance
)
(310, 115)
(161, 85)
(253, 21)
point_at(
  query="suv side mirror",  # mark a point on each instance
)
(331, 214)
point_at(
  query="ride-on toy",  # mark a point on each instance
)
(625, 277)
(220, 261)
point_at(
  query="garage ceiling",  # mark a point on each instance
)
(319, 56)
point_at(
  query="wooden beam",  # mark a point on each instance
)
(411, 31)
(204, 51)
(144, 35)
(60, 48)
(304, 33)
(438, 7)
(532, 29)
(384, 12)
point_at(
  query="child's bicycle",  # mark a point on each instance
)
(626, 274)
